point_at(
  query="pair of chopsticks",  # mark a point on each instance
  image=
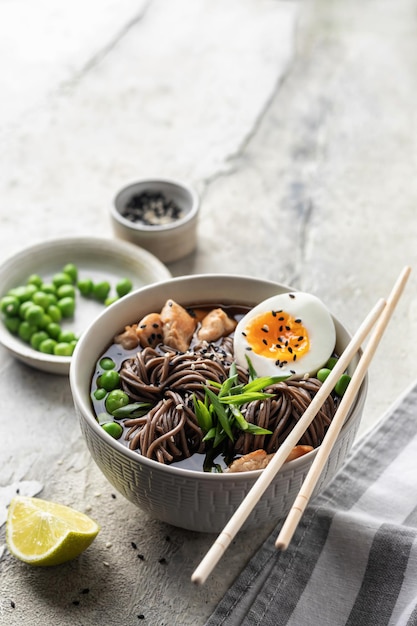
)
(378, 316)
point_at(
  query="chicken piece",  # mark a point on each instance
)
(128, 339)
(149, 330)
(178, 326)
(298, 451)
(216, 324)
(259, 459)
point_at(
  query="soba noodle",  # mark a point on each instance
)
(170, 431)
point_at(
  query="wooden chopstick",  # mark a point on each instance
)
(314, 473)
(265, 478)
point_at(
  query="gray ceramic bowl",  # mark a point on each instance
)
(169, 241)
(190, 499)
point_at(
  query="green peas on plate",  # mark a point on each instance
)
(10, 305)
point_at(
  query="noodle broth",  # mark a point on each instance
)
(169, 430)
(120, 355)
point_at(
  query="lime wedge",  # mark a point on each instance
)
(46, 533)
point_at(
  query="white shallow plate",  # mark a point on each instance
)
(98, 259)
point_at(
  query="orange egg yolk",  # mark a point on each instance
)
(277, 335)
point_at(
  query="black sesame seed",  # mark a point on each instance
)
(113, 495)
(273, 313)
(298, 321)
(141, 557)
(288, 327)
(141, 616)
(12, 604)
(281, 328)
(291, 295)
(76, 602)
(300, 338)
(134, 546)
(85, 591)
(162, 561)
(294, 358)
(248, 348)
(281, 319)
(265, 329)
(292, 371)
(264, 341)
(243, 333)
(277, 362)
(290, 349)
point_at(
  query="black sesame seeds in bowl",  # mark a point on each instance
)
(159, 215)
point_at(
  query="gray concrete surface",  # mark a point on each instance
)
(297, 124)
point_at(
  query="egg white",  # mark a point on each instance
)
(317, 321)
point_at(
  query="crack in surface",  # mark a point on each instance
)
(97, 58)
(231, 160)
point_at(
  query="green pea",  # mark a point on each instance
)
(54, 330)
(71, 270)
(65, 291)
(63, 348)
(116, 399)
(67, 336)
(85, 287)
(123, 287)
(42, 299)
(109, 301)
(10, 305)
(109, 380)
(37, 338)
(34, 314)
(100, 393)
(331, 362)
(45, 321)
(107, 363)
(54, 313)
(323, 374)
(23, 292)
(47, 346)
(12, 324)
(26, 330)
(113, 428)
(49, 288)
(61, 279)
(24, 307)
(342, 384)
(66, 306)
(101, 290)
(34, 279)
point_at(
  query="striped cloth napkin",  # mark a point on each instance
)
(353, 558)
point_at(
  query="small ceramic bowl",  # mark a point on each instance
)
(192, 499)
(158, 215)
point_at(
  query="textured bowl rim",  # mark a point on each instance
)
(158, 228)
(88, 415)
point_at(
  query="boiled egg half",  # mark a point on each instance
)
(290, 334)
